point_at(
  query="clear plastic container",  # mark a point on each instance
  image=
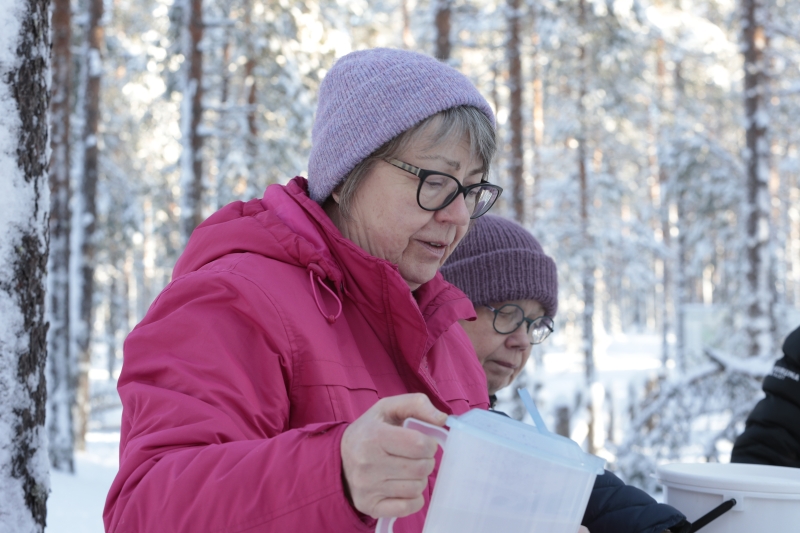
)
(498, 474)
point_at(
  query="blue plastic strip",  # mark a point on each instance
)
(533, 411)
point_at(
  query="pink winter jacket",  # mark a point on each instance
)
(275, 333)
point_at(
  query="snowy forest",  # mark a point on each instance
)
(650, 145)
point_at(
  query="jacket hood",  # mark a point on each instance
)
(277, 226)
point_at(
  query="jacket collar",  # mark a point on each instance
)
(288, 226)
(373, 283)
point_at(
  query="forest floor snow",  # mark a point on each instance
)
(76, 500)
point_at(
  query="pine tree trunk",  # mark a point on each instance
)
(442, 21)
(760, 293)
(191, 117)
(61, 367)
(588, 266)
(87, 215)
(24, 117)
(680, 290)
(515, 111)
(408, 40)
(537, 116)
(222, 142)
(661, 201)
(253, 188)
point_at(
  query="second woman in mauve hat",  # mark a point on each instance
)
(264, 389)
(513, 285)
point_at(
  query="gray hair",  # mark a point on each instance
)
(456, 121)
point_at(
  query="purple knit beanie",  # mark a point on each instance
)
(499, 260)
(368, 98)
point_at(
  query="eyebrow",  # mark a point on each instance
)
(455, 164)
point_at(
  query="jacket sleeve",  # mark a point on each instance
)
(615, 507)
(772, 431)
(206, 443)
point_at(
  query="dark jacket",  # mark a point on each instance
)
(772, 433)
(615, 507)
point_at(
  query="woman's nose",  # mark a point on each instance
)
(519, 338)
(456, 213)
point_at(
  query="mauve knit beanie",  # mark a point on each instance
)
(499, 260)
(368, 98)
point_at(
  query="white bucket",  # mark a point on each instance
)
(767, 497)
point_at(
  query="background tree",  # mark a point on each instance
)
(24, 204)
(759, 296)
(444, 14)
(61, 365)
(85, 215)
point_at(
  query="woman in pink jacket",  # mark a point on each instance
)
(265, 387)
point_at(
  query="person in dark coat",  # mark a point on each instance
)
(772, 431)
(513, 286)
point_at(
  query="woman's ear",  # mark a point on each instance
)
(335, 195)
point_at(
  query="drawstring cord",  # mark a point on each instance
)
(330, 318)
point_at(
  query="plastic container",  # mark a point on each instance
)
(500, 475)
(767, 497)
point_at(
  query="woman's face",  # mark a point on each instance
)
(502, 356)
(386, 221)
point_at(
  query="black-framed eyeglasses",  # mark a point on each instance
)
(438, 190)
(510, 317)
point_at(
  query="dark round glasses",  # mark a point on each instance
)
(510, 317)
(437, 190)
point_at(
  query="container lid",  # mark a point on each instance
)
(733, 476)
(511, 433)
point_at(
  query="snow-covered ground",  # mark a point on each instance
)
(76, 501)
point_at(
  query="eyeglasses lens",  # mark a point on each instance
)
(437, 191)
(540, 329)
(508, 318)
(480, 200)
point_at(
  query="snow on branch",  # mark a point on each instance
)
(755, 367)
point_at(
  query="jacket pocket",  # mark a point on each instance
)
(334, 391)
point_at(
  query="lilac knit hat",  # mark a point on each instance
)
(370, 97)
(499, 260)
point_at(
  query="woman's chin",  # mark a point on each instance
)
(420, 275)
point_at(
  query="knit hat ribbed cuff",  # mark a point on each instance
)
(498, 261)
(506, 275)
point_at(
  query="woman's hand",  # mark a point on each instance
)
(385, 467)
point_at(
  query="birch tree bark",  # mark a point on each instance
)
(760, 295)
(61, 364)
(24, 204)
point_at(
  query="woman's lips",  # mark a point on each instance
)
(435, 248)
(509, 366)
